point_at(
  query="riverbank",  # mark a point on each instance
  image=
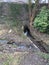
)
(42, 38)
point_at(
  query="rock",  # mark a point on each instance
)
(10, 42)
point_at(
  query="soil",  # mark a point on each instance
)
(41, 37)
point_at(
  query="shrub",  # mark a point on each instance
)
(41, 22)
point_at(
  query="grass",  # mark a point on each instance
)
(11, 59)
(23, 36)
(43, 55)
(16, 25)
(15, 58)
(11, 20)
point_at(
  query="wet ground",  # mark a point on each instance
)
(10, 41)
(6, 46)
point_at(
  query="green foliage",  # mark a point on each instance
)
(41, 22)
(15, 9)
(43, 55)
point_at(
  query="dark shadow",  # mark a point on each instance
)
(37, 43)
(27, 31)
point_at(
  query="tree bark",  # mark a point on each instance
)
(30, 4)
(32, 13)
(48, 3)
(35, 9)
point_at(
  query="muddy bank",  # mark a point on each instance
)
(41, 38)
(11, 47)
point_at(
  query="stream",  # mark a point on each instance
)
(11, 48)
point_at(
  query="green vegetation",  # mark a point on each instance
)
(13, 20)
(41, 21)
(43, 55)
(10, 59)
(16, 9)
(17, 57)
